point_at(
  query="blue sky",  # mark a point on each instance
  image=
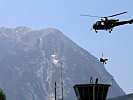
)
(65, 16)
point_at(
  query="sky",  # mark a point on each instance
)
(64, 15)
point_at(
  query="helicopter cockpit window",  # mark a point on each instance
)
(98, 23)
(102, 23)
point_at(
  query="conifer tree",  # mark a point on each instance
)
(2, 95)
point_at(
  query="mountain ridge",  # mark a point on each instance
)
(27, 64)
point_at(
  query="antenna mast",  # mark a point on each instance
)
(61, 83)
(55, 90)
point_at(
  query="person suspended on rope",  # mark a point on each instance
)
(103, 60)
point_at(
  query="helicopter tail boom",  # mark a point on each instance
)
(123, 22)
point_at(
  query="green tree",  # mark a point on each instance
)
(2, 95)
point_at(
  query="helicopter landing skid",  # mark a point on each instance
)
(109, 31)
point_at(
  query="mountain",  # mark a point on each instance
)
(31, 61)
(124, 97)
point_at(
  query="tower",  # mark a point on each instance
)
(91, 91)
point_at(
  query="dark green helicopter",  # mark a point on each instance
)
(109, 24)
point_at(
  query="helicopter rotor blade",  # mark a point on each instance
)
(117, 14)
(89, 15)
(106, 16)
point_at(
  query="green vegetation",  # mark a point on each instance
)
(2, 95)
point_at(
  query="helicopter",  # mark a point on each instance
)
(103, 60)
(108, 24)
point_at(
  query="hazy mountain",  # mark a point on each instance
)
(124, 97)
(30, 63)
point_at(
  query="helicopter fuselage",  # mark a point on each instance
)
(109, 24)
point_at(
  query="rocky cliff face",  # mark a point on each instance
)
(31, 60)
(124, 97)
